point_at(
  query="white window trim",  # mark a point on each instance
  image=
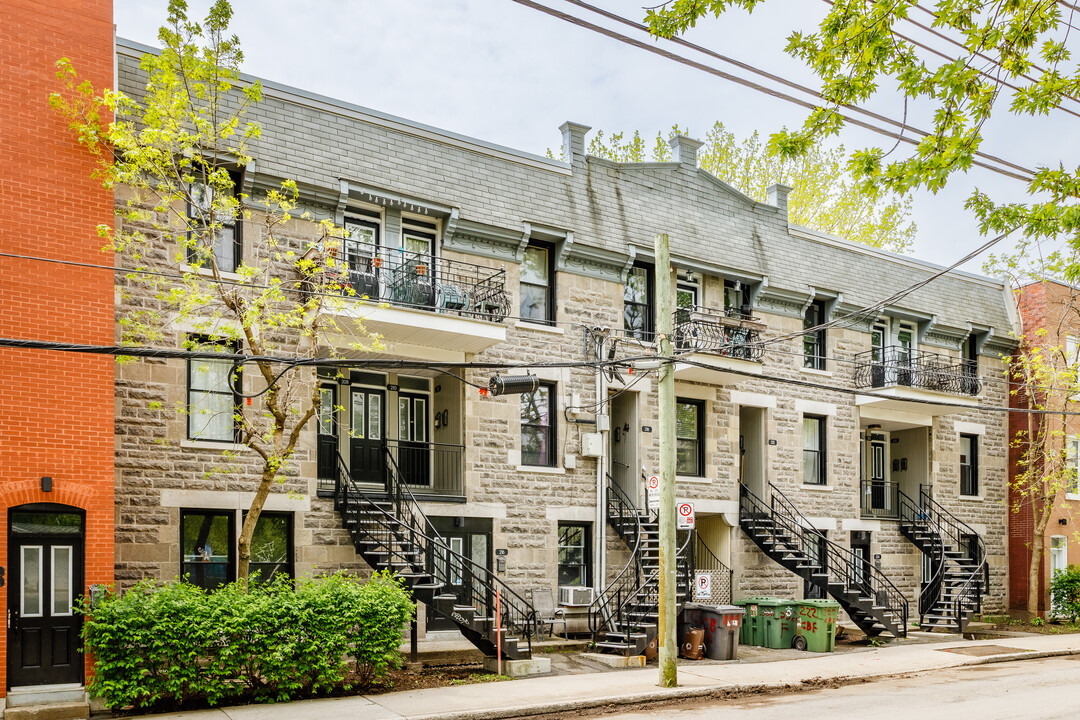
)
(1075, 462)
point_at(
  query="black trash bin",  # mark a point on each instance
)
(721, 624)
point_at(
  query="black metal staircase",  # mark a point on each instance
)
(957, 558)
(623, 618)
(391, 532)
(868, 597)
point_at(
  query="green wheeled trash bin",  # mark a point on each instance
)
(777, 621)
(752, 623)
(745, 633)
(817, 625)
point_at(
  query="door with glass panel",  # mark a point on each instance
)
(414, 450)
(366, 433)
(415, 281)
(327, 435)
(462, 562)
(363, 259)
(45, 562)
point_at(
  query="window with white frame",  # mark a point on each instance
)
(211, 399)
(225, 245)
(814, 455)
(1072, 461)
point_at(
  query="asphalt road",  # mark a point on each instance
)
(1024, 690)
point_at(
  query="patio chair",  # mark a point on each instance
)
(546, 612)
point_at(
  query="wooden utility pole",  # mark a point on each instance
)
(665, 397)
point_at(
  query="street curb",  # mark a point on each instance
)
(663, 695)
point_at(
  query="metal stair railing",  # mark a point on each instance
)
(406, 528)
(648, 594)
(603, 611)
(911, 513)
(969, 596)
(705, 561)
(839, 561)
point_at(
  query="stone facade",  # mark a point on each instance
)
(598, 218)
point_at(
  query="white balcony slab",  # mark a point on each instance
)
(707, 367)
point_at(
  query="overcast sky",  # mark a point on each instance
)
(501, 72)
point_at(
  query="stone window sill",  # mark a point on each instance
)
(209, 445)
(541, 469)
(538, 327)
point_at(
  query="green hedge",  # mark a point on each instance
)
(1065, 592)
(176, 645)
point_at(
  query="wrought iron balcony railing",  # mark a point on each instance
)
(895, 365)
(879, 499)
(727, 333)
(422, 281)
(429, 469)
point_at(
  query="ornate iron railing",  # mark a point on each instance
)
(838, 562)
(726, 333)
(429, 468)
(604, 610)
(900, 366)
(911, 513)
(968, 597)
(410, 541)
(420, 280)
(879, 499)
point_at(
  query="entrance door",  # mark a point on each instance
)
(467, 539)
(878, 350)
(414, 451)
(366, 460)
(45, 561)
(624, 451)
(752, 449)
(415, 282)
(1059, 561)
(879, 495)
(860, 547)
(328, 434)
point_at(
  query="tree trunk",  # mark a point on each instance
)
(1041, 516)
(243, 555)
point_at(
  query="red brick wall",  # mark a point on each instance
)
(56, 409)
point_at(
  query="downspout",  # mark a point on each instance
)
(601, 506)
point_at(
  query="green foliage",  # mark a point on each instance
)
(1037, 622)
(824, 196)
(1011, 58)
(1065, 592)
(175, 645)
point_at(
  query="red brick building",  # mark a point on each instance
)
(1051, 306)
(56, 409)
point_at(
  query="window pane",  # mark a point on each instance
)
(534, 302)
(61, 584)
(811, 433)
(811, 467)
(573, 554)
(534, 446)
(211, 416)
(686, 457)
(534, 406)
(31, 581)
(534, 266)
(404, 408)
(419, 245)
(205, 548)
(375, 417)
(34, 523)
(326, 411)
(636, 289)
(420, 420)
(685, 297)
(210, 374)
(358, 415)
(686, 420)
(270, 541)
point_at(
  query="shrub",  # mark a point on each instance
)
(1037, 622)
(175, 645)
(1065, 592)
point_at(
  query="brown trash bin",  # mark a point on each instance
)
(652, 648)
(693, 645)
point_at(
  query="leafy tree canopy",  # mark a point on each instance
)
(1010, 52)
(823, 197)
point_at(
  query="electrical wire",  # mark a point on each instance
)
(580, 22)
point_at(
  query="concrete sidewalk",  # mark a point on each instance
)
(567, 693)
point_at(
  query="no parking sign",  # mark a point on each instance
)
(652, 487)
(703, 586)
(685, 516)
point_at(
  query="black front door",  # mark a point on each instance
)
(414, 451)
(860, 547)
(328, 434)
(366, 434)
(879, 495)
(45, 561)
(463, 565)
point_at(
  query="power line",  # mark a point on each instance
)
(901, 136)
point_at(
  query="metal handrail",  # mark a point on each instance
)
(897, 365)
(883, 492)
(874, 583)
(518, 615)
(648, 593)
(914, 514)
(969, 595)
(600, 612)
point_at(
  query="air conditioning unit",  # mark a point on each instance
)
(571, 596)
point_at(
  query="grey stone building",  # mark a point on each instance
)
(482, 253)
